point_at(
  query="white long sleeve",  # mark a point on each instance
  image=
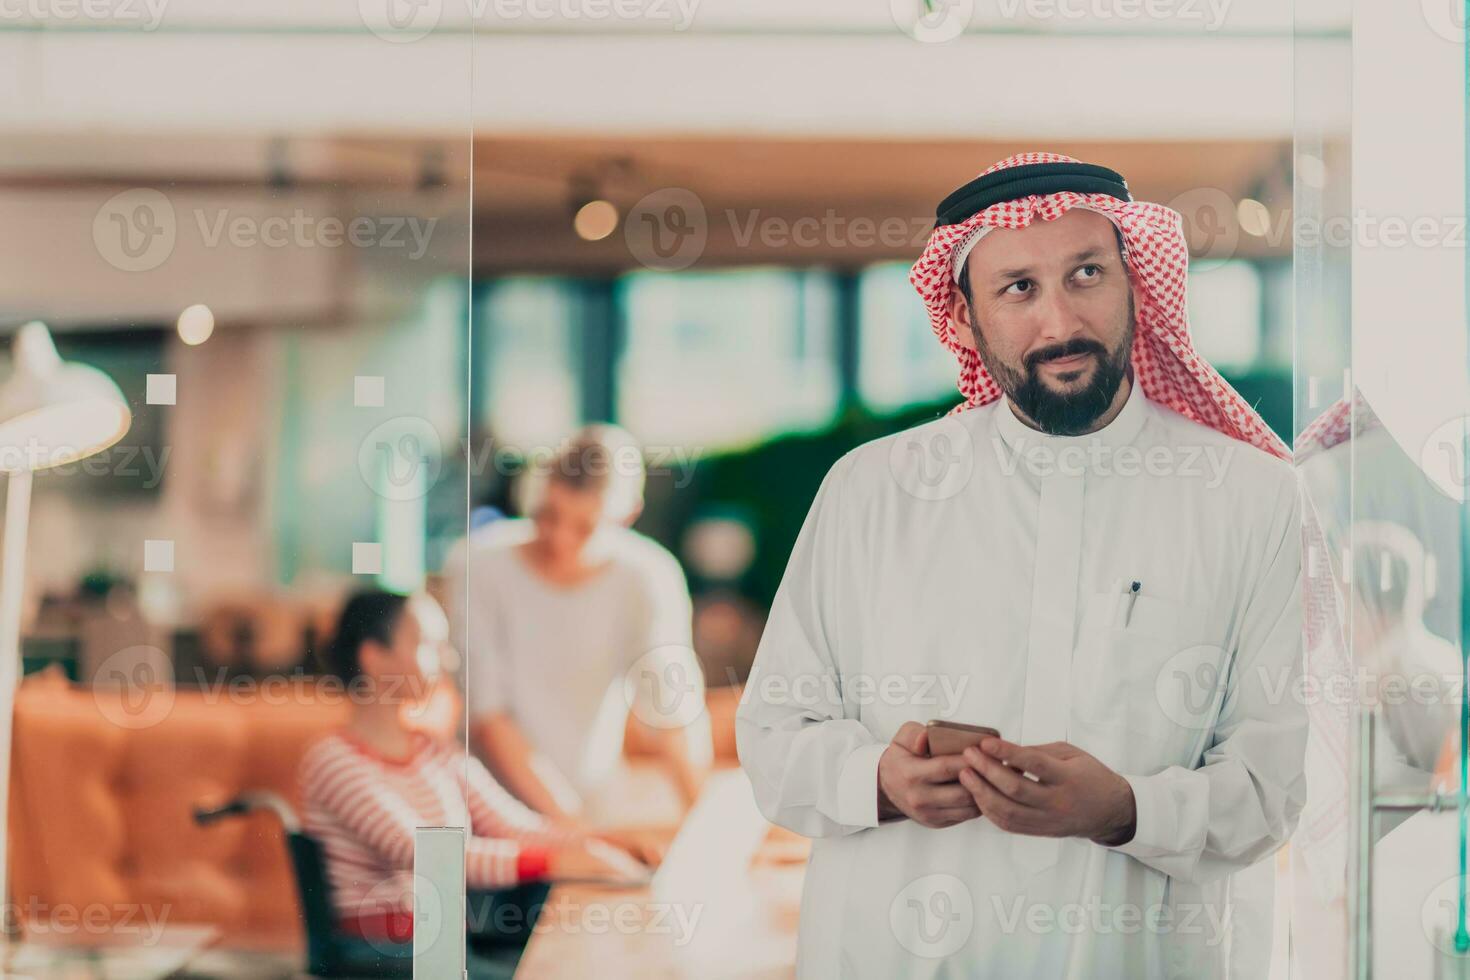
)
(813, 764)
(1244, 801)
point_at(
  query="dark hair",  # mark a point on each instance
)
(368, 615)
(964, 285)
(599, 458)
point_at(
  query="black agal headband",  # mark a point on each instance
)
(1039, 179)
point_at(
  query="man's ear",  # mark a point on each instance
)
(1138, 296)
(959, 318)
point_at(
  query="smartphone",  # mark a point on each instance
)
(952, 738)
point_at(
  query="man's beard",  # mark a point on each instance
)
(1057, 413)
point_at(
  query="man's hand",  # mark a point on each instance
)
(644, 848)
(913, 785)
(509, 758)
(594, 860)
(1073, 794)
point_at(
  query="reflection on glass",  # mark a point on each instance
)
(719, 359)
(285, 316)
(1225, 306)
(898, 366)
(525, 335)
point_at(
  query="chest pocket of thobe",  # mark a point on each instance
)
(1146, 692)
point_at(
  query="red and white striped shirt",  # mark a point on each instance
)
(363, 808)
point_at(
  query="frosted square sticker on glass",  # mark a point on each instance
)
(158, 556)
(367, 558)
(367, 391)
(162, 389)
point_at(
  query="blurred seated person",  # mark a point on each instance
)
(573, 619)
(367, 787)
(1413, 675)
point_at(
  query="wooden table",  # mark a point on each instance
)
(746, 931)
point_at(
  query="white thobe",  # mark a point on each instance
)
(977, 570)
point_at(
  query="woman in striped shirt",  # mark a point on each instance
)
(368, 786)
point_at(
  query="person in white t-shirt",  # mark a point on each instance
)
(569, 620)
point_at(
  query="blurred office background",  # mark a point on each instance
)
(700, 231)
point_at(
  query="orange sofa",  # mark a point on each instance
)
(104, 783)
(102, 798)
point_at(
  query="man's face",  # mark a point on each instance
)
(1051, 316)
(566, 520)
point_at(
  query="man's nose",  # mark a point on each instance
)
(1060, 319)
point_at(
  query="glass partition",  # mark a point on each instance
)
(1381, 399)
(252, 227)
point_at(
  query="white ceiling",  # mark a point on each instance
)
(788, 108)
(700, 16)
(1154, 84)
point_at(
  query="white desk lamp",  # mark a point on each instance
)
(51, 412)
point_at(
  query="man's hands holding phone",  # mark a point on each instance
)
(927, 791)
(1072, 794)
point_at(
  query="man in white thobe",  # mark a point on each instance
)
(1101, 560)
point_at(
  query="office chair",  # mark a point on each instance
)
(331, 953)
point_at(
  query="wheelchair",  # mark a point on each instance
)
(332, 953)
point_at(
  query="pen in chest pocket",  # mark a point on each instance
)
(1123, 605)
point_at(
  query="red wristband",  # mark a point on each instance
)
(533, 863)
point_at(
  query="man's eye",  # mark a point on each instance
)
(1087, 273)
(1024, 288)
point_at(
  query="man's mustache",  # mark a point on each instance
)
(1063, 350)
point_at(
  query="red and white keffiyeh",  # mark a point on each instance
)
(1164, 361)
